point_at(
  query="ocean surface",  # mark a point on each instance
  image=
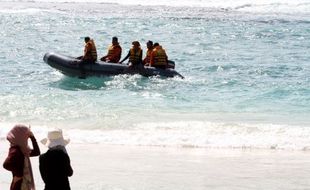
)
(245, 63)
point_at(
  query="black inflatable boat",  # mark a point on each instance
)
(69, 66)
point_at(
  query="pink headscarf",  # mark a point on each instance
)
(18, 136)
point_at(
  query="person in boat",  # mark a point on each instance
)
(114, 52)
(159, 58)
(147, 58)
(89, 57)
(90, 51)
(134, 55)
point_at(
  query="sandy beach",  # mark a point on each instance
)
(239, 120)
(165, 168)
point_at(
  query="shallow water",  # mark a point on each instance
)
(246, 73)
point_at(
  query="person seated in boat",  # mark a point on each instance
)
(114, 52)
(90, 51)
(134, 55)
(159, 58)
(147, 58)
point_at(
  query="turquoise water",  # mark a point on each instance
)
(244, 71)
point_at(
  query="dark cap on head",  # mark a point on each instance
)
(156, 44)
(115, 39)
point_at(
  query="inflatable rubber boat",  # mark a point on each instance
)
(69, 66)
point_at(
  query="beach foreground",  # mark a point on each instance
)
(153, 168)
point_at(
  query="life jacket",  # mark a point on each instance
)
(112, 53)
(135, 56)
(90, 52)
(93, 50)
(160, 56)
(148, 56)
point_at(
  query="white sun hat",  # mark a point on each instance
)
(55, 138)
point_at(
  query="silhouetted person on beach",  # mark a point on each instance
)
(18, 161)
(55, 167)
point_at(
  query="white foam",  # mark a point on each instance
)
(29, 11)
(267, 6)
(190, 134)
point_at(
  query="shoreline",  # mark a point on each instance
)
(141, 167)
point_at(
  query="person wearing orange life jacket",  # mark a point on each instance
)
(90, 51)
(159, 58)
(134, 55)
(147, 58)
(114, 52)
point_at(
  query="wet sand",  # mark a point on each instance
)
(166, 168)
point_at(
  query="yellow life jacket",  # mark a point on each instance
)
(93, 51)
(135, 56)
(160, 56)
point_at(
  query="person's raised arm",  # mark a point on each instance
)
(36, 150)
(127, 56)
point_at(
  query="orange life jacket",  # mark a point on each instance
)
(159, 56)
(113, 53)
(135, 56)
(148, 56)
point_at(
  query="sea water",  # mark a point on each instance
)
(245, 63)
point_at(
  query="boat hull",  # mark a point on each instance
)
(69, 66)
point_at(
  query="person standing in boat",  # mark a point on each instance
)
(147, 58)
(90, 51)
(114, 52)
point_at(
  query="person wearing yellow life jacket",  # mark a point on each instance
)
(134, 54)
(147, 58)
(159, 58)
(90, 51)
(89, 57)
(114, 52)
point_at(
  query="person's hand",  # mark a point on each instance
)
(30, 132)
(16, 179)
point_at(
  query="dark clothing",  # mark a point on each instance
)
(55, 169)
(15, 162)
(160, 66)
(85, 61)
